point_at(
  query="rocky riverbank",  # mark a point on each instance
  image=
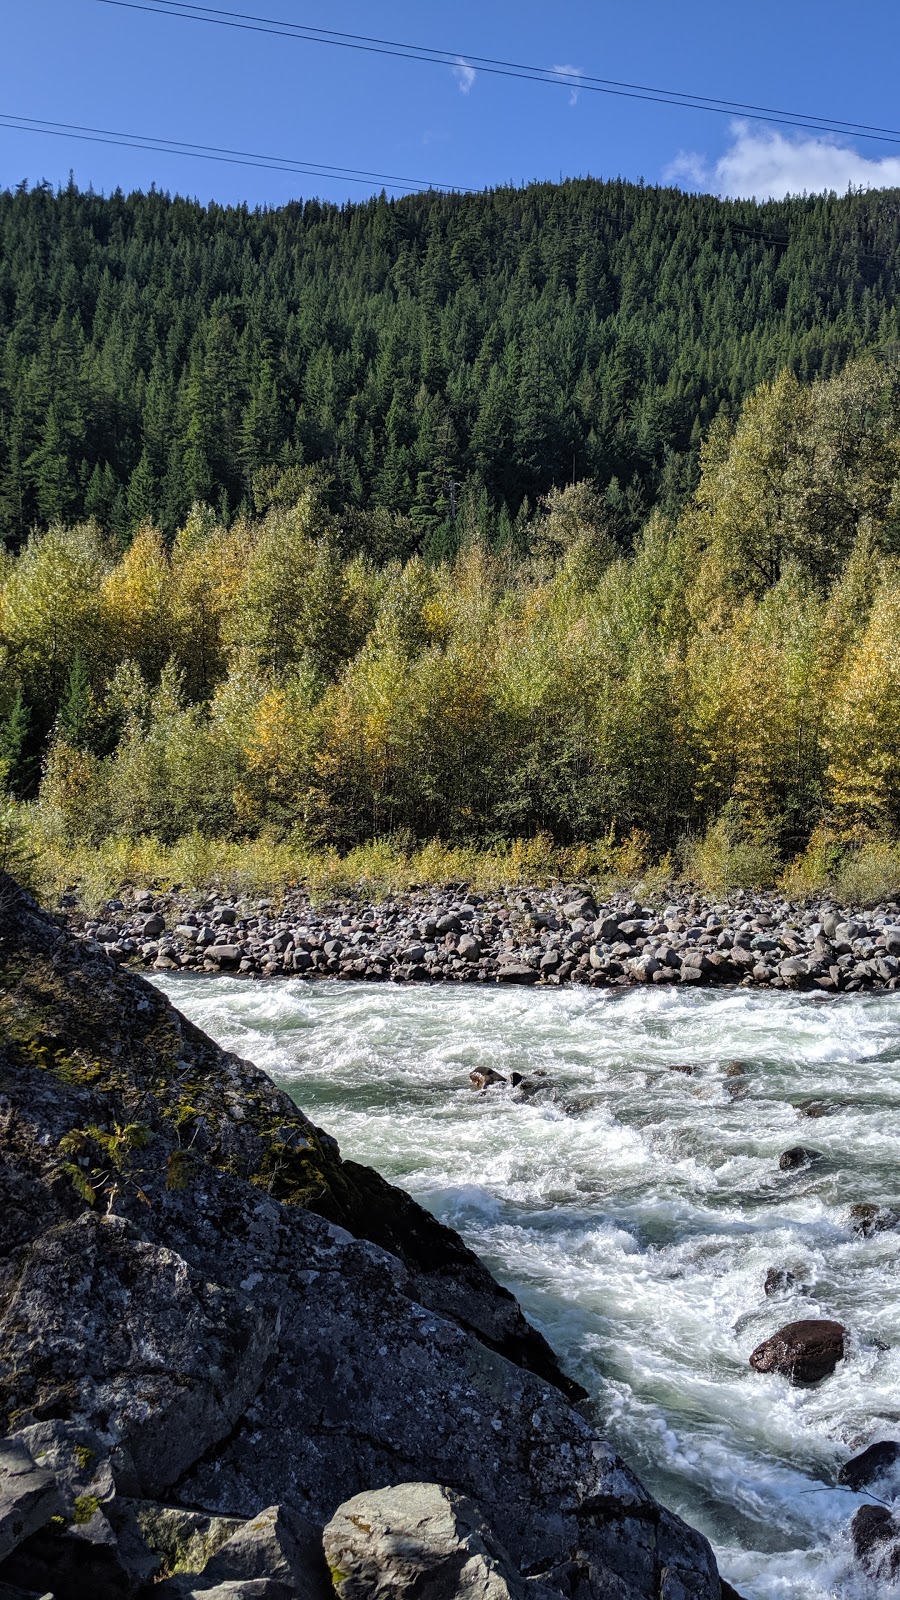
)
(525, 936)
(236, 1366)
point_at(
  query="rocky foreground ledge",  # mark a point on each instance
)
(548, 937)
(233, 1365)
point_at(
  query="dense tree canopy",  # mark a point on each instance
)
(740, 661)
(433, 354)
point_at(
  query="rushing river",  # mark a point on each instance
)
(635, 1211)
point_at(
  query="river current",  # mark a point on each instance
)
(635, 1211)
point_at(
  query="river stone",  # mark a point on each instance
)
(804, 1352)
(483, 1077)
(28, 1496)
(869, 1464)
(876, 1542)
(582, 910)
(798, 1156)
(778, 1280)
(816, 1108)
(227, 955)
(517, 972)
(866, 1219)
(413, 1540)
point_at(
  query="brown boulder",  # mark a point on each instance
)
(805, 1351)
(798, 1156)
(483, 1077)
(875, 1541)
(868, 1219)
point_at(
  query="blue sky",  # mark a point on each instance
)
(80, 61)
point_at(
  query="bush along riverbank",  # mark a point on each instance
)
(523, 936)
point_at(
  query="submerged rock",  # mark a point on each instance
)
(798, 1156)
(868, 1219)
(816, 1108)
(778, 1280)
(804, 1352)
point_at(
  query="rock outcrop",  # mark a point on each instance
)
(214, 1332)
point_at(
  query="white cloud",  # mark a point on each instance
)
(569, 72)
(766, 164)
(464, 74)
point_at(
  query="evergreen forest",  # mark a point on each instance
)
(422, 352)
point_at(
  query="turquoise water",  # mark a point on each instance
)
(635, 1211)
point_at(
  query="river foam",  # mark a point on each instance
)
(635, 1210)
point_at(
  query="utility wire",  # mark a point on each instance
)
(206, 152)
(306, 33)
(570, 76)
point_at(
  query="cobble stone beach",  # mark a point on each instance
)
(563, 935)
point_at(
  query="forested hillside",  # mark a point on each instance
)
(434, 353)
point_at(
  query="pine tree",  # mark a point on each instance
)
(15, 766)
(76, 719)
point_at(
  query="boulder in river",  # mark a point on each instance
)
(798, 1156)
(483, 1077)
(815, 1108)
(869, 1464)
(875, 1533)
(805, 1351)
(778, 1281)
(866, 1219)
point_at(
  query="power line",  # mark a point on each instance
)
(572, 77)
(248, 22)
(205, 152)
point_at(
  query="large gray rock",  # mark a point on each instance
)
(28, 1496)
(277, 1546)
(416, 1539)
(372, 1389)
(135, 1341)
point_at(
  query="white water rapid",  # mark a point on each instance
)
(635, 1211)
